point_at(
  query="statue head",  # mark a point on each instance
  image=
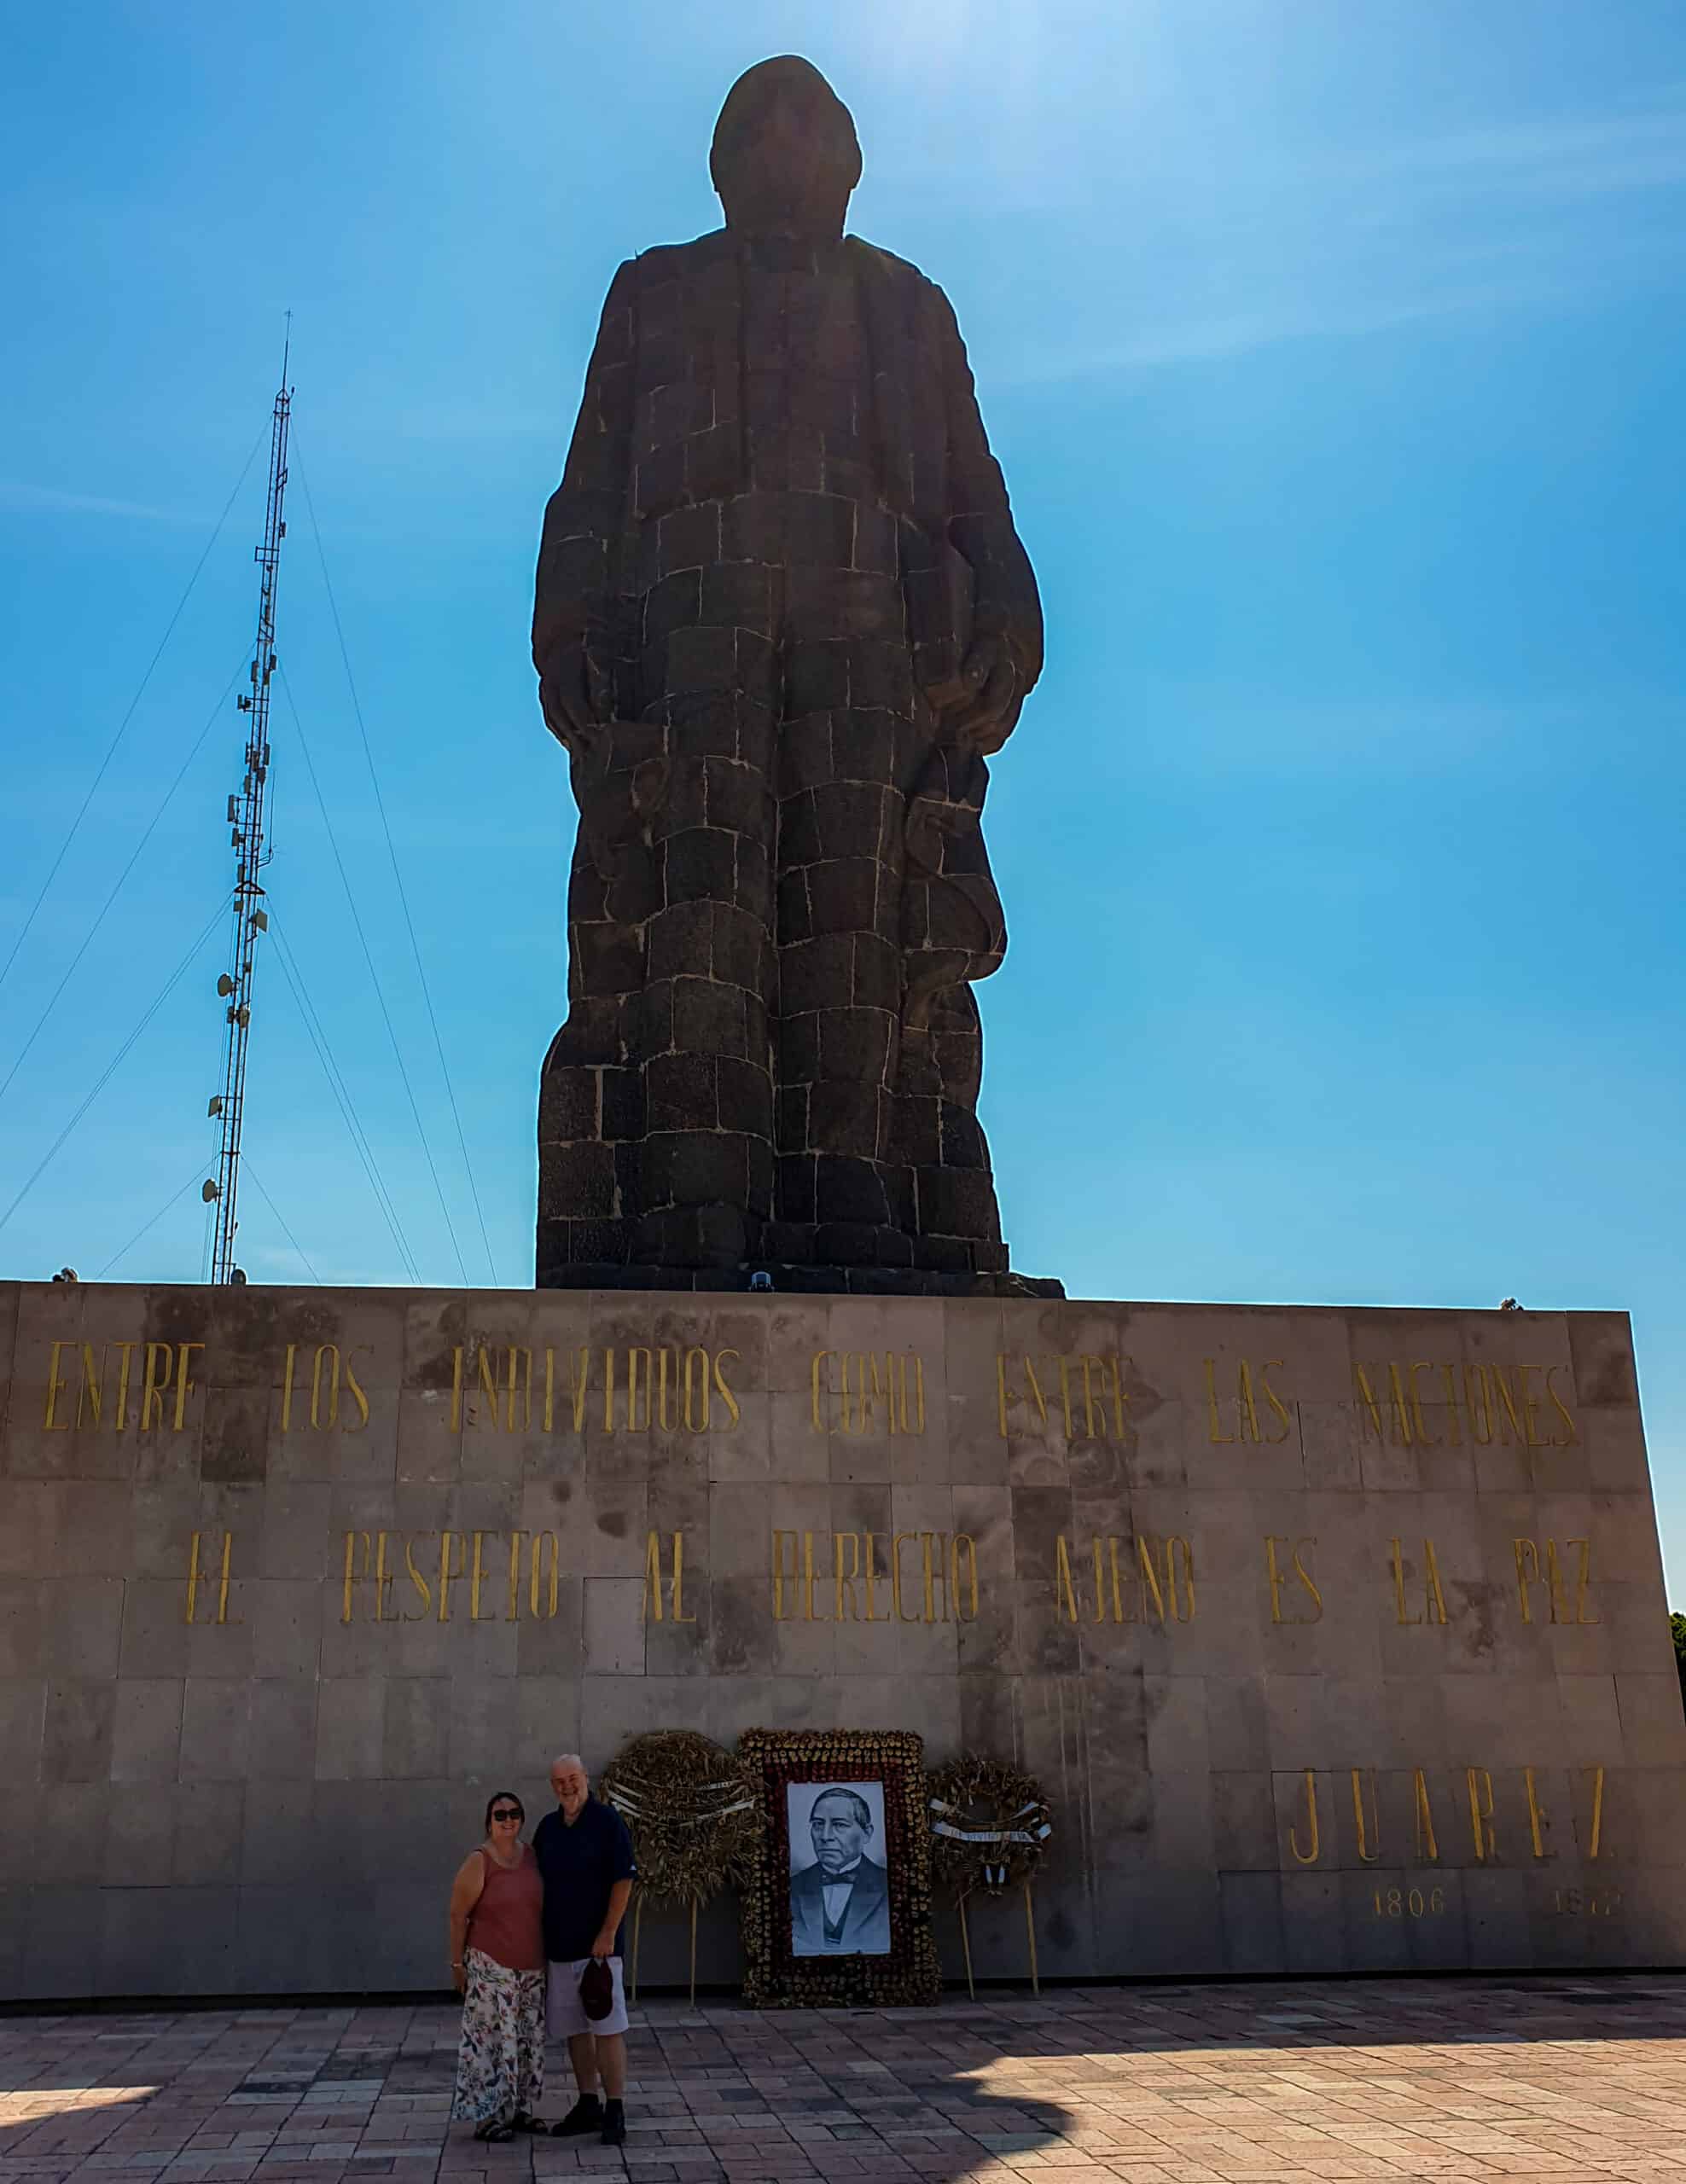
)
(785, 155)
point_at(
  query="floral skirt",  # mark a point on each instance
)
(500, 2061)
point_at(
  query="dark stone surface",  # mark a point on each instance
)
(782, 617)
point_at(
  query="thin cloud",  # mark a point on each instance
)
(24, 499)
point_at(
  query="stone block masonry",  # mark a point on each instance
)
(1338, 1638)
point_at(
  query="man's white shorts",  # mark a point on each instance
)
(564, 2011)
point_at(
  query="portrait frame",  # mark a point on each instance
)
(775, 1976)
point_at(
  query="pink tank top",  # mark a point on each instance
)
(507, 1923)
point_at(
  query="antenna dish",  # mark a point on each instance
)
(224, 986)
(208, 1191)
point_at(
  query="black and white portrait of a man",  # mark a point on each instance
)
(839, 1891)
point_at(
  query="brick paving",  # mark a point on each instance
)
(1445, 2079)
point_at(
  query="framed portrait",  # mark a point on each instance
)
(838, 1907)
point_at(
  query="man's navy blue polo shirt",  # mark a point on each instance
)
(580, 1865)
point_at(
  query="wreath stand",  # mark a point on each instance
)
(693, 1819)
(989, 1824)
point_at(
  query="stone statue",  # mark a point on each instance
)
(782, 619)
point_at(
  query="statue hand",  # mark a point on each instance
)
(987, 716)
(565, 696)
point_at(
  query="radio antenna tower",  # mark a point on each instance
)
(247, 809)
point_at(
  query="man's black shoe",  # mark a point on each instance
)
(614, 2124)
(585, 2115)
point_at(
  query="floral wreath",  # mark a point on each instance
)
(691, 1811)
(989, 1824)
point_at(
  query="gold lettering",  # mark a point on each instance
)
(721, 1389)
(633, 1379)
(1419, 1423)
(664, 1391)
(329, 1350)
(1063, 1364)
(517, 1541)
(1435, 1601)
(1120, 1614)
(1150, 1583)
(678, 1595)
(1557, 1403)
(420, 1583)
(56, 1388)
(1275, 1365)
(1178, 1550)
(1004, 1394)
(155, 1379)
(651, 1611)
(486, 1373)
(1597, 1832)
(1276, 1577)
(88, 1388)
(357, 1394)
(195, 1573)
(822, 1425)
(222, 1615)
(1526, 1555)
(125, 1351)
(549, 1392)
(476, 1577)
(872, 1570)
(456, 1389)
(1307, 1857)
(448, 1571)
(1399, 1405)
(696, 1396)
(964, 1540)
(1100, 1596)
(383, 1579)
(1475, 1386)
(1537, 1821)
(519, 1375)
(1530, 1408)
(185, 1387)
(353, 1540)
(1582, 1579)
(1086, 1365)
(1427, 1850)
(608, 1391)
(1065, 1595)
(1554, 1583)
(1247, 1409)
(1480, 1787)
(934, 1573)
(808, 1576)
(1371, 1831)
(1401, 1614)
(1035, 1387)
(844, 1580)
(1372, 1409)
(1454, 1432)
(544, 1559)
(1214, 1429)
(1507, 1400)
(779, 1574)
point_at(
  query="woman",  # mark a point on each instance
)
(497, 1967)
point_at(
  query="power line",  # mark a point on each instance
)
(112, 1066)
(111, 751)
(398, 877)
(282, 1217)
(342, 1091)
(134, 858)
(369, 958)
(198, 1172)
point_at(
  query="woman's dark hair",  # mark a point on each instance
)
(497, 1797)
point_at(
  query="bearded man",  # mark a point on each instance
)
(782, 619)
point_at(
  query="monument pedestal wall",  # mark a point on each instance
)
(1337, 1639)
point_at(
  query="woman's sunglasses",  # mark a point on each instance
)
(508, 1812)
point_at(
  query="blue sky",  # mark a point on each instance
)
(1332, 352)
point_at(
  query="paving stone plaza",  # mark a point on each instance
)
(1453, 2078)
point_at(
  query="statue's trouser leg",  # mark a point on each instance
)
(705, 1182)
(849, 748)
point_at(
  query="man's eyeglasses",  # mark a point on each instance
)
(509, 1812)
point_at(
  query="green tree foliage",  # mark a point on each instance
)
(1677, 1624)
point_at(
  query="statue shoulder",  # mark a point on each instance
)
(669, 261)
(884, 265)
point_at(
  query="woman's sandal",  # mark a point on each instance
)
(520, 2121)
(494, 2132)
